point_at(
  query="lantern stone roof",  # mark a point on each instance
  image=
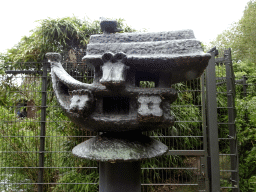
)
(177, 52)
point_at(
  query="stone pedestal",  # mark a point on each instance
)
(120, 154)
(120, 177)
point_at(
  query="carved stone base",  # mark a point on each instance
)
(120, 147)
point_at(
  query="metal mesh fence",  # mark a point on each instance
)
(179, 170)
(72, 173)
(228, 151)
(224, 145)
(22, 167)
(21, 125)
(20, 130)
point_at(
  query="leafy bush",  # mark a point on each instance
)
(76, 177)
(246, 119)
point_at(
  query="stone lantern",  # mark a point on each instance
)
(115, 105)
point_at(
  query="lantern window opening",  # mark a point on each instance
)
(116, 105)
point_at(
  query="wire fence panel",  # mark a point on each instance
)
(26, 165)
(20, 130)
(222, 110)
(180, 169)
(71, 173)
(226, 94)
(21, 133)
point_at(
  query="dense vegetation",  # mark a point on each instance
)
(241, 38)
(55, 35)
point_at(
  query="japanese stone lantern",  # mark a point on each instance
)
(115, 105)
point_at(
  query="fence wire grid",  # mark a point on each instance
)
(27, 124)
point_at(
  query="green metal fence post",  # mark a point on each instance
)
(212, 125)
(204, 165)
(42, 131)
(231, 121)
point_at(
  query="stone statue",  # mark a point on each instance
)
(115, 104)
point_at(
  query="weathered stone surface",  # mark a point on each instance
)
(142, 37)
(121, 61)
(168, 49)
(81, 102)
(149, 108)
(115, 147)
(177, 52)
(114, 70)
(115, 103)
(109, 26)
(87, 104)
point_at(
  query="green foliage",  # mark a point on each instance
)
(246, 119)
(75, 177)
(55, 35)
(52, 35)
(21, 186)
(19, 140)
(18, 135)
(241, 36)
(252, 183)
(147, 84)
(187, 112)
(246, 38)
(244, 68)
